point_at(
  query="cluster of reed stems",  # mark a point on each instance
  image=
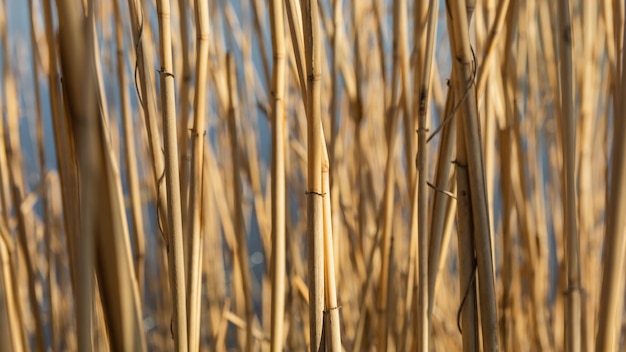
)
(293, 178)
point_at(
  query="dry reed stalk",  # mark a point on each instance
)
(488, 133)
(409, 119)
(568, 126)
(611, 294)
(240, 230)
(278, 256)
(591, 96)
(447, 234)
(338, 60)
(412, 280)
(131, 157)
(465, 237)
(441, 200)
(172, 182)
(426, 286)
(63, 148)
(196, 176)
(464, 84)
(183, 127)
(331, 309)
(314, 192)
(77, 47)
(509, 267)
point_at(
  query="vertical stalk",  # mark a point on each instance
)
(467, 260)
(131, 155)
(440, 201)
(278, 176)
(63, 148)
(81, 113)
(314, 192)
(194, 213)
(568, 125)
(426, 286)
(175, 242)
(331, 310)
(184, 112)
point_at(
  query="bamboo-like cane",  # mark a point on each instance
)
(175, 241)
(240, 230)
(426, 286)
(611, 294)
(314, 192)
(278, 177)
(331, 323)
(465, 88)
(194, 213)
(568, 125)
